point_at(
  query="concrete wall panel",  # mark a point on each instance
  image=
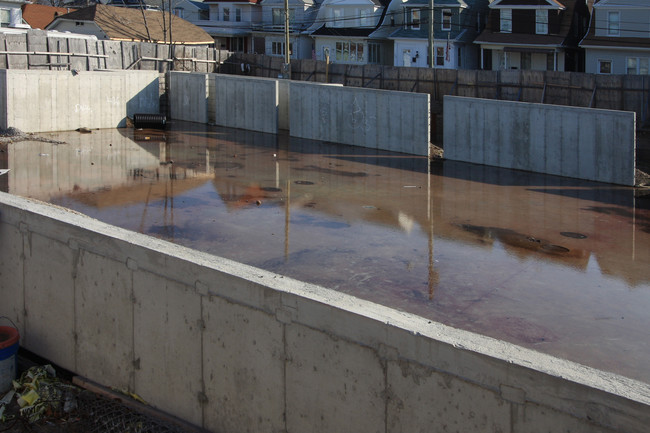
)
(72, 99)
(41, 317)
(400, 122)
(167, 322)
(246, 102)
(243, 356)
(330, 381)
(235, 348)
(574, 142)
(188, 96)
(104, 320)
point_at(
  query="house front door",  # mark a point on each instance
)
(406, 57)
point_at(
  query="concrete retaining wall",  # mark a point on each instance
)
(582, 143)
(40, 101)
(245, 102)
(188, 97)
(378, 119)
(234, 348)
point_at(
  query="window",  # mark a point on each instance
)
(604, 66)
(226, 14)
(637, 66)
(238, 45)
(179, 12)
(278, 17)
(374, 53)
(366, 18)
(446, 19)
(237, 14)
(5, 18)
(204, 14)
(277, 48)
(541, 21)
(415, 19)
(349, 52)
(440, 56)
(337, 17)
(613, 23)
(506, 20)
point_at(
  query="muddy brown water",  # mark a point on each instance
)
(554, 264)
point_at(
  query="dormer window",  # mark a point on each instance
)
(226, 14)
(505, 25)
(415, 19)
(446, 20)
(613, 23)
(541, 21)
(337, 17)
(179, 12)
(412, 18)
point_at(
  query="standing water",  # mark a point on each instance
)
(554, 264)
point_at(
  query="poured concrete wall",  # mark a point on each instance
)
(234, 348)
(40, 101)
(378, 119)
(245, 102)
(188, 96)
(582, 143)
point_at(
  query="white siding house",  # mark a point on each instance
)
(618, 41)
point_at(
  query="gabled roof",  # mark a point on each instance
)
(493, 35)
(613, 42)
(127, 24)
(527, 4)
(39, 16)
(233, 1)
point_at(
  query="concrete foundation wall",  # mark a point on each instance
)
(234, 348)
(385, 120)
(188, 96)
(245, 102)
(40, 101)
(584, 143)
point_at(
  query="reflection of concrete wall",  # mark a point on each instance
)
(378, 119)
(39, 101)
(573, 142)
(51, 169)
(234, 348)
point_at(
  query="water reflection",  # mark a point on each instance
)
(555, 264)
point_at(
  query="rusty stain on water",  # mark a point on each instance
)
(554, 264)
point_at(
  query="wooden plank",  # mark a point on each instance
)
(78, 46)
(37, 42)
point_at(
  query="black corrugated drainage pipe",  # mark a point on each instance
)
(149, 121)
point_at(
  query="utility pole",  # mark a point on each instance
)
(286, 68)
(432, 51)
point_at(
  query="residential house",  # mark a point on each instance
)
(618, 41)
(534, 35)
(11, 14)
(342, 28)
(39, 16)
(129, 24)
(456, 24)
(271, 33)
(231, 24)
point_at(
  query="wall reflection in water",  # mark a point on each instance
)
(555, 264)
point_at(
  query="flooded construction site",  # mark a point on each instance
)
(554, 264)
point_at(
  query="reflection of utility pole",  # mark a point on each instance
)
(287, 217)
(434, 277)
